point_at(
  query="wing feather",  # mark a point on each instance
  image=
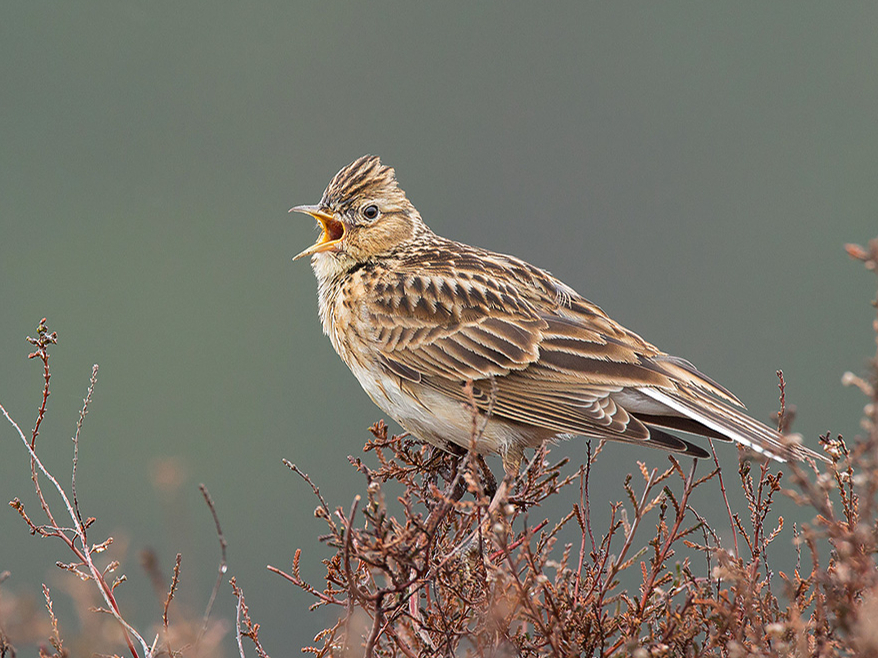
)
(540, 355)
(529, 365)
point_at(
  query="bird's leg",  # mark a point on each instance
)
(512, 461)
(511, 465)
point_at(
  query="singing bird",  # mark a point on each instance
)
(431, 327)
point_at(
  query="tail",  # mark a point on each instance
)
(716, 418)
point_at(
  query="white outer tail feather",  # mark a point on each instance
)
(725, 430)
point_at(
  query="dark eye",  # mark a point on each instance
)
(370, 211)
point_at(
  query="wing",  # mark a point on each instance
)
(540, 355)
(428, 324)
(537, 354)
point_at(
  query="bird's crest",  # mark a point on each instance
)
(364, 177)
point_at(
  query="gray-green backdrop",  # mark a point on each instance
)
(694, 168)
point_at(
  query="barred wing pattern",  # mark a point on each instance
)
(538, 354)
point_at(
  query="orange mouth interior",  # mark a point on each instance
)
(333, 230)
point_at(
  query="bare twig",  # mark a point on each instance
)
(84, 554)
(223, 564)
(82, 413)
(244, 625)
(175, 581)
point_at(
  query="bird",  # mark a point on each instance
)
(468, 348)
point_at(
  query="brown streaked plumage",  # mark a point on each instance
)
(417, 317)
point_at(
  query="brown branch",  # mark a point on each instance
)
(223, 564)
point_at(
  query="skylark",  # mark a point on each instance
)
(430, 326)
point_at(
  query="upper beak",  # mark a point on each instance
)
(333, 230)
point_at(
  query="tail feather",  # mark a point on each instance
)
(680, 424)
(730, 422)
(661, 439)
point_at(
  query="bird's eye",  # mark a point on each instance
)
(370, 211)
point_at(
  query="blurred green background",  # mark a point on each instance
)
(693, 168)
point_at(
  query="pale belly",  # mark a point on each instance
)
(438, 419)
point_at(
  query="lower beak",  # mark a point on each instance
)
(333, 230)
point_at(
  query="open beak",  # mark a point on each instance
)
(333, 230)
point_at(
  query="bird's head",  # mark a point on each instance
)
(364, 215)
